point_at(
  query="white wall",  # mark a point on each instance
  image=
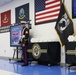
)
(5, 49)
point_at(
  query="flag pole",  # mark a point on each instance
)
(63, 1)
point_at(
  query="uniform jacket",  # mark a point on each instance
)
(24, 36)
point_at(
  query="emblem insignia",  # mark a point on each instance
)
(71, 52)
(26, 32)
(21, 14)
(36, 51)
(5, 19)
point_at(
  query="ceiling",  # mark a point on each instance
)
(3, 2)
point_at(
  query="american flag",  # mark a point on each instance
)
(46, 11)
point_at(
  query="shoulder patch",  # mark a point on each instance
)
(26, 32)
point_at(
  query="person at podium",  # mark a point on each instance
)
(24, 42)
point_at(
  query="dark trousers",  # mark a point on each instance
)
(24, 54)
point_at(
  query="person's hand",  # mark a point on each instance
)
(23, 45)
(19, 42)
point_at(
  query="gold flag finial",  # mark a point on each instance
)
(63, 1)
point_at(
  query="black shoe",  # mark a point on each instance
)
(24, 64)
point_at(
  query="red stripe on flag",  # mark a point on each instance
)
(47, 17)
(51, 2)
(52, 6)
(45, 21)
(48, 12)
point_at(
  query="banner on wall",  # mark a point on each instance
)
(46, 11)
(22, 13)
(6, 18)
(5, 21)
(64, 25)
(4, 29)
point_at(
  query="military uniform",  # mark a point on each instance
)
(24, 40)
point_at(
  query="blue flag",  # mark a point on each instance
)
(22, 13)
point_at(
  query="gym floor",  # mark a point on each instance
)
(33, 69)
